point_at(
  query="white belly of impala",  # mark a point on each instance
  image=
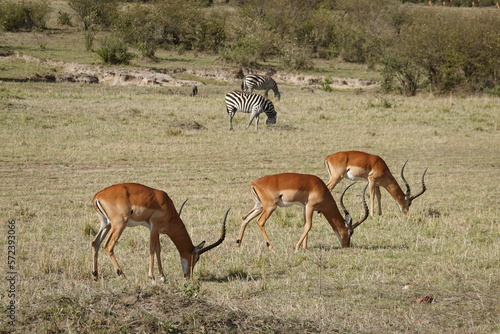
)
(285, 204)
(352, 177)
(133, 223)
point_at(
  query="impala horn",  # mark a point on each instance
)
(367, 212)
(347, 216)
(182, 205)
(408, 196)
(222, 237)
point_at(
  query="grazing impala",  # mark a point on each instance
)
(306, 190)
(132, 204)
(357, 165)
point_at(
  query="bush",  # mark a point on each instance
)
(179, 20)
(24, 15)
(294, 57)
(95, 12)
(64, 19)
(453, 50)
(403, 71)
(114, 51)
(139, 27)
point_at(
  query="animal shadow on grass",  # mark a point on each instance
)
(229, 277)
(365, 247)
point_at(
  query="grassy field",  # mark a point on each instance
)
(61, 143)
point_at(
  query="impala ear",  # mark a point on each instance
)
(200, 246)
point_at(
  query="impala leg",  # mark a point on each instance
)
(372, 187)
(379, 199)
(257, 210)
(116, 232)
(335, 178)
(155, 248)
(307, 227)
(105, 226)
(262, 221)
(304, 243)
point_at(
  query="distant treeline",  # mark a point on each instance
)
(415, 44)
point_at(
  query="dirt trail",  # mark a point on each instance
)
(121, 75)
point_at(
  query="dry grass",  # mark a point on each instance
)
(61, 143)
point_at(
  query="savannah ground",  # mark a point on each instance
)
(63, 142)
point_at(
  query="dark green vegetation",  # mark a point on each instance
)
(416, 46)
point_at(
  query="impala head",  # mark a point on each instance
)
(348, 219)
(408, 197)
(189, 262)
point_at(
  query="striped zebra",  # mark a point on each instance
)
(260, 82)
(249, 103)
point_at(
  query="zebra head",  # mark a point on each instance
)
(270, 112)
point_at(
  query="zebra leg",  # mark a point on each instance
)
(257, 110)
(255, 114)
(231, 115)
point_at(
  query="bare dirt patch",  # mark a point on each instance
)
(127, 75)
(187, 125)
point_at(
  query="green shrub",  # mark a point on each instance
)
(452, 50)
(139, 27)
(64, 19)
(402, 70)
(293, 57)
(325, 85)
(95, 12)
(494, 91)
(114, 51)
(27, 15)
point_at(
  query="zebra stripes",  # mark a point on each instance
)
(249, 103)
(260, 82)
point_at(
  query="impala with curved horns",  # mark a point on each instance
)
(306, 190)
(133, 204)
(356, 165)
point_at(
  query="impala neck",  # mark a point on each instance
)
(336, 221)
(399, 196)
(182, 241)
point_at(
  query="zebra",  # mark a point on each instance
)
(249, 103)
(260, 82)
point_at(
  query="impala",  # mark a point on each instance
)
(133, 204)
(356, 165)
(310, 192)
